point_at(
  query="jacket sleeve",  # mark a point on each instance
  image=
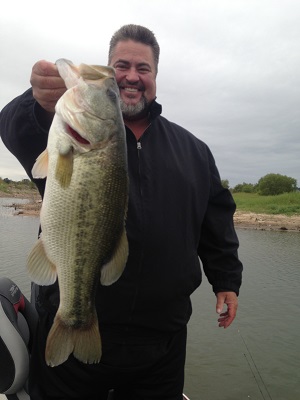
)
(218, 247)
(24, 130)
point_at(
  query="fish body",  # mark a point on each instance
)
(83, 239)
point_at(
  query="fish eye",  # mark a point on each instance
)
(112, 94)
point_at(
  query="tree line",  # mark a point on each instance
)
(23, 184)
(268, 185)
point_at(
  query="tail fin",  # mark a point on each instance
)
(83, 342)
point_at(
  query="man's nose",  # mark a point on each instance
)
(132, 75)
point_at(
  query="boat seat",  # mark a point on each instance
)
(18, 319)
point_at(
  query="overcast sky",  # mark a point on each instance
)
(229, 70)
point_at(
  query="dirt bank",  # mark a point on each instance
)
(32, 208)
(267, 221)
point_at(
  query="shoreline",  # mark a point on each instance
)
(266, 222)
(30, 209)
(242, 219)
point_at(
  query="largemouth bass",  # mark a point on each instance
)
(83, 239)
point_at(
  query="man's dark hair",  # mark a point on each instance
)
(137, 33)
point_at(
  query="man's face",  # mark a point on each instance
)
(135, 75)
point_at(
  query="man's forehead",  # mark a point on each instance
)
(130, 51)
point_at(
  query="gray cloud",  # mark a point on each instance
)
(229, 71)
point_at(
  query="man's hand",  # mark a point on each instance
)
(47, 85)
(231, 300)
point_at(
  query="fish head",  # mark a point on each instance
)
(90, 108)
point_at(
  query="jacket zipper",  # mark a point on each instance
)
(139, 148)
(139, 141)
(136, 292)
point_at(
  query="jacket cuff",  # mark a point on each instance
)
(42, 117)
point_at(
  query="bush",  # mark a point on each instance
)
(274, 184)
(225, 183)
(244, 188)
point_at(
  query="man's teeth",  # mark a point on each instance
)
(131, 89)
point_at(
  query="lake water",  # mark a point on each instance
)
(17, 235)
(258, 357)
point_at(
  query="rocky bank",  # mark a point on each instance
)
(31, 208)
(270, 222)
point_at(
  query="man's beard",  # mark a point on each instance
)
(135, 111)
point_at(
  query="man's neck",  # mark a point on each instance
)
(138, 127)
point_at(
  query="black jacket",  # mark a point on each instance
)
(178, 210)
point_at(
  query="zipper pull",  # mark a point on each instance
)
(139, 145)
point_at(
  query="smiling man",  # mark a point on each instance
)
(178, 212)
(135, 75)
(136, 71)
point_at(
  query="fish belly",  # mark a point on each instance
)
(82, 226)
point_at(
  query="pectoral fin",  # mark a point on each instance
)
(40, 268)
(112, 270)
(40, 168)
(64, 169)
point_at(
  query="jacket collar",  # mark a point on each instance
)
(155, 109)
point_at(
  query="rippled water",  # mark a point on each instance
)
(258, 357)
(17, 235)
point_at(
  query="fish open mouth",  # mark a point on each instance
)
(76, 135)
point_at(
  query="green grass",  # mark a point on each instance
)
(287, 203)
(11, 186)
(4, 187)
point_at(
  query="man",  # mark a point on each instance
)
(178, 211)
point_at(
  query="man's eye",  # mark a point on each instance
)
(144, 70)
(120, 66)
